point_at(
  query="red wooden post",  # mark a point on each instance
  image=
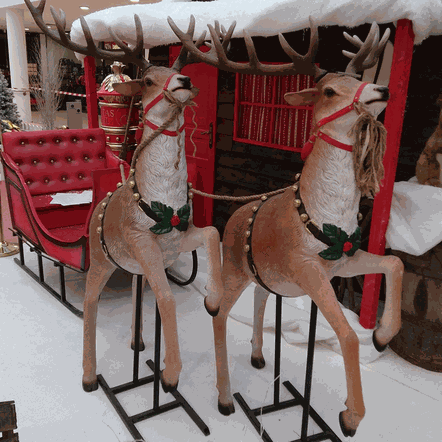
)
(91, 92)
(394, 117)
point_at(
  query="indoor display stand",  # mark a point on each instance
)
(180, 401)
(299, 400)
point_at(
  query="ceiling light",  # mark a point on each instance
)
(26, 29)
(134, 1)
(85, 8)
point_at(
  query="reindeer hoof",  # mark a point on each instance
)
(167, 388)
(212, 313)
(142, 347)
(380, 348)
(347, 432)
(258, 362)
(226, 410)
(89, 387)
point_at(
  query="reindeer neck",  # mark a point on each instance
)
(328, 187)
(161, 170)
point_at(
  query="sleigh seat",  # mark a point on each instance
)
(42, 170)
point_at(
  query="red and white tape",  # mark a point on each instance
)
(40, 89)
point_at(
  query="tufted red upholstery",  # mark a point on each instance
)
(59, 160)
(40, 164)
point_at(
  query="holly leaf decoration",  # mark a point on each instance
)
(184, 212)
(332, 253)
(162, 210)
(333, 232)
(161, 227)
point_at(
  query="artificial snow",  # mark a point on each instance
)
(258, 17)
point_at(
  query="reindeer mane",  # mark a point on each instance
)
(368, 152)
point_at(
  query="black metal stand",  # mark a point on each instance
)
(327, 433)
(157, 409)
(40, 278)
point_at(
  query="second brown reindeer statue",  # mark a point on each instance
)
(294, 243)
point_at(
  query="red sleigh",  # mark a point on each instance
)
(40, 165)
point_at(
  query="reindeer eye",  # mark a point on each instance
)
(148, 82)
(329, 92)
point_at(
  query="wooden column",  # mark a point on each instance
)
(91, 92)
(394, 117)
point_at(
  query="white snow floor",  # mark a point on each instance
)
(41, 358)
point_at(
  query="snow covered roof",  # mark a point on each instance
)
(259, 17)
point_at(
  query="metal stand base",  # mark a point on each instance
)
(61, 297)
(304, 401)
(157, 409)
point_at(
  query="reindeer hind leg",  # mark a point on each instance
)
(260, 300)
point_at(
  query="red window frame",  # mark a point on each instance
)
(262, 117)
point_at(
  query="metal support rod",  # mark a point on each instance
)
(278, 330)
(309, 370)
(137, 328)
(156, 381)
(41, 275)
(62, 283)
(22, 253)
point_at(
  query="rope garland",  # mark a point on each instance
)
(235, 198)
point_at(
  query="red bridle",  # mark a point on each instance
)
(151, 105)
(316, 133)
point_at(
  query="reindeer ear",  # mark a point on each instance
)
(129, 88)
(302, 98)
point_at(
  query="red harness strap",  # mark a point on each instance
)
(155, 101)
(308, 146)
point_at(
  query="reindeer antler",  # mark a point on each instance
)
(369, 50)
(184, 58)
(126, 55)
(301, 64)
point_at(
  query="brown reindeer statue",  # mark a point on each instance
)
(147, 222)
(294, 243)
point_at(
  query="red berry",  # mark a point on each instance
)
(175, 220)
(347, 246)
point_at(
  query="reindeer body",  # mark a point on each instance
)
(286, 254)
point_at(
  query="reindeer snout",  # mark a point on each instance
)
(385, 94)
(186, 83)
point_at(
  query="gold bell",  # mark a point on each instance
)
(295, 187)
(250, 221)
(100, 216)
(132, 171)
(131, 184)
(360, 216)
(255, 208)
(119, 184)
(298, 203)
(136, 196)
(297, 176)
(246, 248)
(99, 229)
(190, 185)
(103, 205)
(109, 194)
(190, 195)
(263, 198)
(304, 217)
(247, 233)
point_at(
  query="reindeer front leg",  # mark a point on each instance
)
(150, 257)
(207, 237)
(313, 280)
(363, 263)
(259, 306)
